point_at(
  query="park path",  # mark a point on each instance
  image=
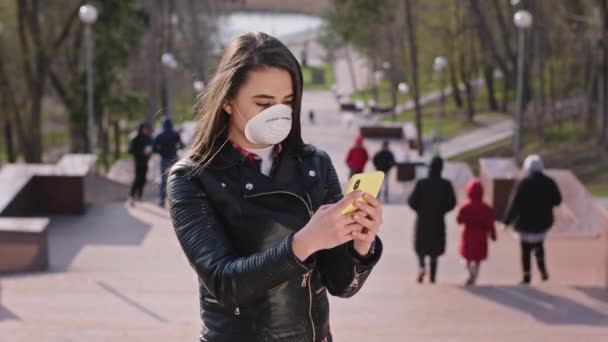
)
(117, 274)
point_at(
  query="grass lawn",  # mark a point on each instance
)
(307, 77)
(454, 122)
(562, 148)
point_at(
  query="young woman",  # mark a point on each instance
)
(257, 212)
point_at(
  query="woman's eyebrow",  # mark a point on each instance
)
(263, 96)
(270, 97)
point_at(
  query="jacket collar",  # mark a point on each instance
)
(295, 172)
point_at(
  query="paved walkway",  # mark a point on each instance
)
(117, 274)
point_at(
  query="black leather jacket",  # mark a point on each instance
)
(236, 225)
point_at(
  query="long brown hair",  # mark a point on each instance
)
(247, 52)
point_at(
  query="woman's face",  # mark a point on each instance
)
(262, 88)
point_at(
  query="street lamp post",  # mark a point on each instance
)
(523, 21)
(170, 63)
(88, 15)
(198, 86)
(439, 65)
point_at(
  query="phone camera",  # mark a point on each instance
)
(357, 184)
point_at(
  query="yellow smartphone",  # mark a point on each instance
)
(369, 182)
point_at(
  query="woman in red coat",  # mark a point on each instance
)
(477, 219)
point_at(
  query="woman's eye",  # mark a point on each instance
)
(263, 105)
(288, 103)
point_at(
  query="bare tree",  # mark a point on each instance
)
(411, 38)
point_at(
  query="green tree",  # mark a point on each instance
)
(116, 34)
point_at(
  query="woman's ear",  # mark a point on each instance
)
(227, 107)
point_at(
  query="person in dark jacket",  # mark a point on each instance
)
(357, 157)
(141, 149)
(258, 213)
(166, 144)
(384, 161)
(432, 198)
(531, 213)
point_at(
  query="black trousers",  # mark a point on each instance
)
(137, 188)
(433, 266)
(526, 256)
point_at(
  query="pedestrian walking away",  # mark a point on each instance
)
(357, 157)
(531, 214)
(384, 161)
(477, 220)
(166, 144)
(431, 199)
(258, 213)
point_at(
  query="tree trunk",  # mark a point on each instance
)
(117, 147)
(590, 91)
(411, 36)
(504, 104)
(604, 74)
(488, 74)
(541, 112)
(8, 139)
(456, 94)
(351, 68)
(153, 58)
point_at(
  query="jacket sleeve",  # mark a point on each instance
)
(491, 224)
(343, 271)
(557, 196)
(514, 206)
(450, 200)
(461, 218)
(230, 278)
(414, 200)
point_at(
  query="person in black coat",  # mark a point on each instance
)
(531, 213)
(141, 149)
(384, 161)
(166, 144)
(432, 198)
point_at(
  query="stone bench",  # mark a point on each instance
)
(46, 188)
(23, 244)
(498, 177)
(381, 131)
(28, 190)
(381, 109)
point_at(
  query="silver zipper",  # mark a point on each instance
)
(308, 209)
(305, 278)
(210, 300)
(355, 283)
(319, 291)
(306, 283)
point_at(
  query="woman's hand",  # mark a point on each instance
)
(369, 216)
(327, 228)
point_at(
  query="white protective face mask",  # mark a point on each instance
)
(270, 126)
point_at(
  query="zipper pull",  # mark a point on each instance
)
(305, 279)
(237, 311)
